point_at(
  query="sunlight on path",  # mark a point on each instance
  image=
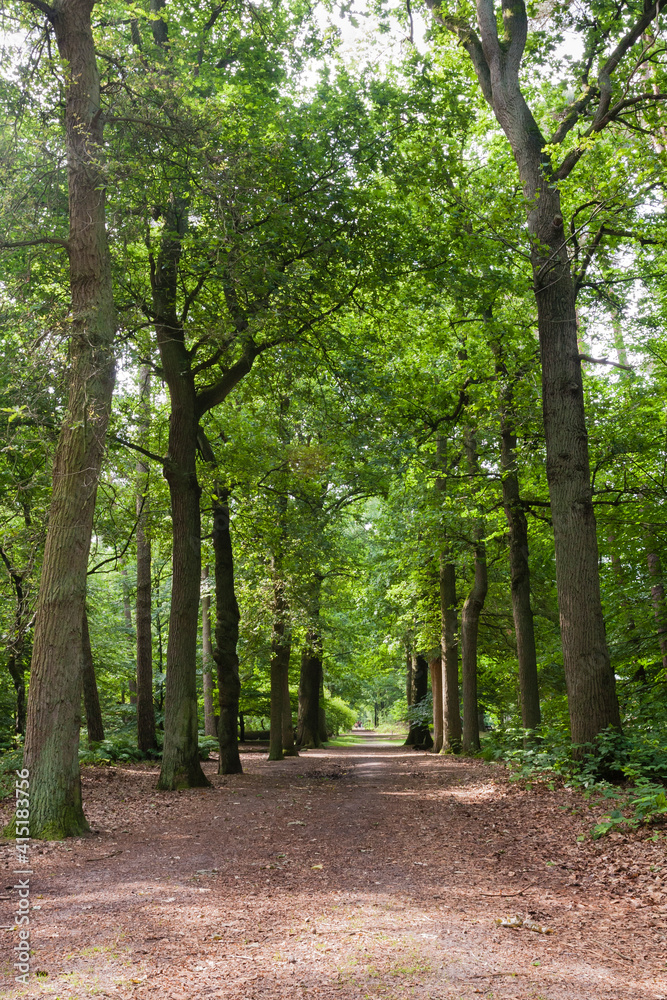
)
(361, 871)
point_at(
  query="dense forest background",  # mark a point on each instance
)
(333, 359)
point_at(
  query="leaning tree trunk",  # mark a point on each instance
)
(452, 732)
(519, 569)
(91, 698)
(146, 737)
(208, 663)
(52, 734)
(226, 636)
(435, 668)
(590, 681)
(180, 754)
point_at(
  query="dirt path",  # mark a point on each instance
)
(368, 871)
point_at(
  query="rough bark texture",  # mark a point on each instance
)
(435, 668)
(519, 567)
(289, 747)
(418, 733)
(226, 636)
(452, 731)
(146, 738)
(91, 698)
(590, 680)
(308, 728)
(52, 732)
(208, 663)
(180, 755)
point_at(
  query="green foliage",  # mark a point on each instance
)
(340, 717)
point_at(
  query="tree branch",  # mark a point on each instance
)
(470, 42)
(45, 8)
(49, 240)
(515, 21)
(604, 361)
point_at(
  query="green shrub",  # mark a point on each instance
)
(340, 717)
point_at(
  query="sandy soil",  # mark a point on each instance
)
(368, 871)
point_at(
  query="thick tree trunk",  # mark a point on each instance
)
(452, 731)
(226, 636)
(419, 735)
(589, 677)
(519, 568)
(52, 734)
(180, 755)
(208, 663)
(308, 730)
(91, 698)
(436, 668)
(146, 738)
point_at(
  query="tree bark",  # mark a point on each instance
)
(308, 730)
(226, 636)
(52, 732)
(289, 747)
(589, 677)
(658, 597)
(127, 611)
(436, 669)
(310, 684)
(208, 663)
(452, 731)
(146, 738)
(15, 646)
(519, 566)
(418, 733)
(180, 754)
(280, 653)
(91, 698)
(470, 616)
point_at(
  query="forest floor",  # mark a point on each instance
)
(361, 871)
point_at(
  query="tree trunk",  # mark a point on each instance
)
(146, 738)
(589, 677)
(435, 667)
(452, 732)
(208, 662)
(17, 673)
(419, 735)
(16, 642)
(658, 597)
(470, 616)
(519, 568)
(52, 735)
(280, 654)
(127, 611)
(180, 755)
(226, 636)
(308, 731)
(289, 748)
(91, 698)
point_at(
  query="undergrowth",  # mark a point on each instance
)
(626, 771)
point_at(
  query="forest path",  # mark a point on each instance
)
(365, 871)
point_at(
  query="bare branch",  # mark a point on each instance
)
(515, 21)
(49, 240)
(469, 39)
(651, 11)
(604, 361)
(45, 8)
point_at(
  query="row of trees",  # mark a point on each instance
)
(331, 277)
